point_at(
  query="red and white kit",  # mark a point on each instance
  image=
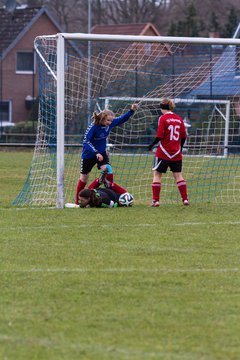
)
(171, 130)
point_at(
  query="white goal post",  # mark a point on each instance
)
(70, 79)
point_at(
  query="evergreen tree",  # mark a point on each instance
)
(232, 23)
(181, 28)
(191, 22)
(172, 30)
(214, 23)
(188, 26)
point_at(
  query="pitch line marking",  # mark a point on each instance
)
(94, 348)
(208, 223)
(42, 227)
(120, 270)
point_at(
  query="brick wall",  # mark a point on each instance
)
(16, 87)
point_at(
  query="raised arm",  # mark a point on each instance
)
(123, 118)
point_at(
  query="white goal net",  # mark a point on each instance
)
(80, 73)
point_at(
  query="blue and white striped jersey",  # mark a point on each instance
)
(95, 137)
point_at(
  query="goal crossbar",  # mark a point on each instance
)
(176, 100)
(152, 39)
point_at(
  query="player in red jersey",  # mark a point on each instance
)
(170, 137)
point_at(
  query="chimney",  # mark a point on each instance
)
(213, 34)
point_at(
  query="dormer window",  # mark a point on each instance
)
(25, 62)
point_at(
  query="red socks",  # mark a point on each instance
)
(80, 186)
(109, 177)
(117, 188)
(94, 184)
(156, 188)
(182, 187)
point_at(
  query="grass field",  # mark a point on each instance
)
(138, 283)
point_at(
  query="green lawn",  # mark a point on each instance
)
(138, 283)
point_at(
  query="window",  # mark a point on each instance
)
(25, 62)
(5, 111)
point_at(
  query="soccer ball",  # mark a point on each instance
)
(126, 199)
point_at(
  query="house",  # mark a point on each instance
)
(141, 29)
(128, 61)
(223, 81)
(18, 73)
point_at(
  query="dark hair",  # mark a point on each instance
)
(92, 196)
(167, 104)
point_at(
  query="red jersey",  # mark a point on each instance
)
(171, 130)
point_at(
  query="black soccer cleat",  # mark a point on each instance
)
(102, 177)
(107, 183)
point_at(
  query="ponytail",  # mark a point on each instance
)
(167, 104)
(99, 117)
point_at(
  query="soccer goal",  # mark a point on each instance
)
(82, 73)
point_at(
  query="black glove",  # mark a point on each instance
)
(155, 141)
(182, 143)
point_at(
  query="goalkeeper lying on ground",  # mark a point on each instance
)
(104, 197)
(99, 197)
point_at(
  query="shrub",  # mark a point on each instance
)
(22, 132)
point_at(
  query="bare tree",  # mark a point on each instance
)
(190, 16)
(131, 11)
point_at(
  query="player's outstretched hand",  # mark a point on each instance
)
(134, 107)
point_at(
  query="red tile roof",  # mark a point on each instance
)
(125, 29)
(12, 24)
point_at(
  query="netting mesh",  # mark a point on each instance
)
(202, 79)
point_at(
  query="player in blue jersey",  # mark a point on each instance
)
(94, 148)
